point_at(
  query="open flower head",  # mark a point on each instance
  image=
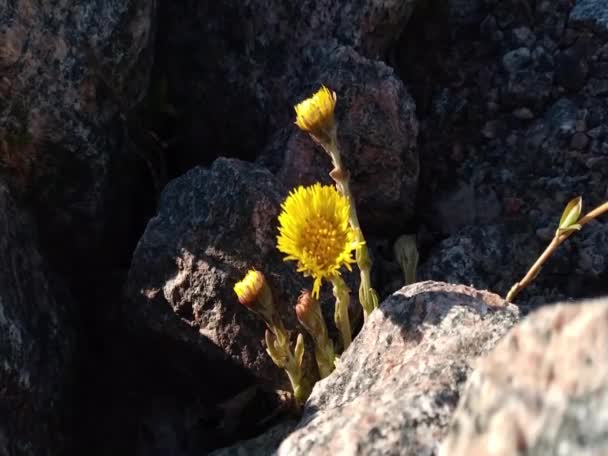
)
(314, 231)
(315, 115)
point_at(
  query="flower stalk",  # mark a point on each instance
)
(308, 311)
(254, 293)
(367, 295)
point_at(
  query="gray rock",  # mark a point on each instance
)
(212, 226)
(377, 134)
(395, 388)
(516, 59)
(591, 14)
(542, 391)
(468, 257)
(70, 72)
(37, 344)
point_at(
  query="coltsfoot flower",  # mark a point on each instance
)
(254, 293)
(314, 231)
(315, 115)
(249, 289)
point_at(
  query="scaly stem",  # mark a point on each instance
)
(279, 349)
(341, 293)
(367, 295)
(557, 240)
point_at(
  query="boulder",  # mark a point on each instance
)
(37, 343)
(377, 130)
(231, 67)
(395, 389)
(70, 75)
(592, 14)
(542, 391)
(212, 226)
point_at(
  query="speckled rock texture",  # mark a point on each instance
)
(70, 74)
(237, 67)
(36, 343)
(512, 110)
(592, 14)
(396, 387)
(377, 134)
(542, 391)
(212, 226)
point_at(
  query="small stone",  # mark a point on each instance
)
(523, 36)
(523, 113)
(490, 129)
(597, 86)
(545, 234)
(571, 70)
(516, 59)
(579, 141)
(591, 14)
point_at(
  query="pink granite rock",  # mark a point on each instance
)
(542, 391)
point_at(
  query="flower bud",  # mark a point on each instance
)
(249, 289)
(309, 314)
(315, 115)
(254, 293)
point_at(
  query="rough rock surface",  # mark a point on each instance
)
(396, 387)
(542, 391)
(377, 134)
(518, 97)
(36, 343)
(212, 226)
(70, 74)
(236, 67)
(591, 13)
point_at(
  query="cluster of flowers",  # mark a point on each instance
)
(319, 229)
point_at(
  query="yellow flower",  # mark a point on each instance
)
(249, 289)
(315, 115)
(314, 231)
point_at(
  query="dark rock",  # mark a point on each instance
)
(591, 244)
(523, 114)
(377, 134)
(571, 70)
(542, 391)
(234, 68)
(37, 344)
(521, 96)
(523, 36)
(592, 14)
(597, 87)
(579, 141)
(394, 390)
(468, 257)
(70, 75)
(516, 60)
(212, 226)
(265, 444)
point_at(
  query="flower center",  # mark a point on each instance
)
(323, 242)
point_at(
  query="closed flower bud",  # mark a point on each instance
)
(254, 293)
(249, 289)
(309, 314)
(315, 115)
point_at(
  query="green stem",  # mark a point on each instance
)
(367, 295)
